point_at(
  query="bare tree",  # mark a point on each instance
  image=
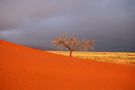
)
(72, 43)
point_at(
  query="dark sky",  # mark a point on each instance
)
(111, 23)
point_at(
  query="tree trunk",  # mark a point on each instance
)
(71, 53)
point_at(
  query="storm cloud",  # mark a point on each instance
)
(34, 23)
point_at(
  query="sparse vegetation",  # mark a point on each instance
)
(111, 57)
(72, 43)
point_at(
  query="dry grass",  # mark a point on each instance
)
(111, 57)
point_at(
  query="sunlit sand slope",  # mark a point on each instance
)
(23, 68)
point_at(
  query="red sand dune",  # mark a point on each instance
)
(23, 68)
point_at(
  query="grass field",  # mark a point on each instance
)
(111, 57)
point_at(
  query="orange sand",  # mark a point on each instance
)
(23, 68)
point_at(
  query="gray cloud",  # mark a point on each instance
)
(36, 22)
